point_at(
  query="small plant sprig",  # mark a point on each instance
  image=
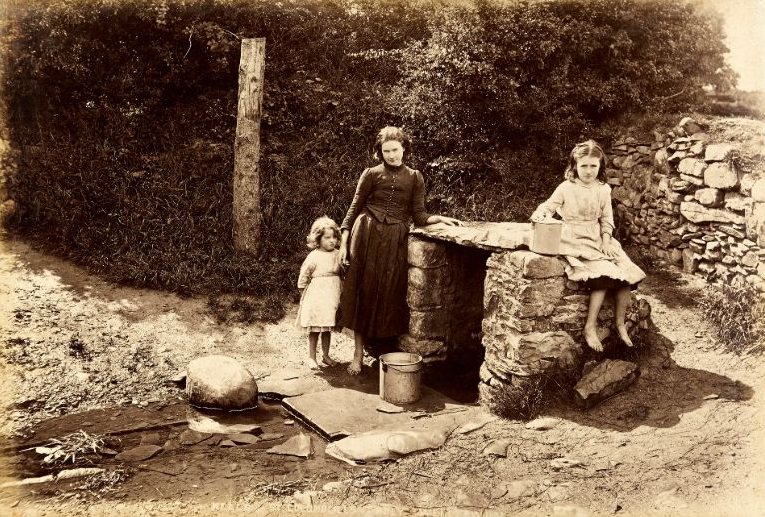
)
(105, 482)
(282, 488)
(68, 448)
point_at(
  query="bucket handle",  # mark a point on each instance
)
(385, 367)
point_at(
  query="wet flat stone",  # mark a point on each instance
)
(267, 437)
(171, 444)
(243, 438)
(290, 383)
(299, 445)
(225, 423)
(150, 439)
(340, 412)
(140, 453)
(190, 437)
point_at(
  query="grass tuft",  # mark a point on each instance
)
(517, 402)
(738, 314)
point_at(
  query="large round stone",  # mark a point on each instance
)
(219, 381)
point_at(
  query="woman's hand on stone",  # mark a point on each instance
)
(451, 221)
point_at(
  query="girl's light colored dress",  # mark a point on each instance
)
(586, 211)
(320, 277)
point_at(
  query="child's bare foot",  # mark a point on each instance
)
(354, 368)
(591, 337)
(328, 361)
(624, 335)
(312, 364)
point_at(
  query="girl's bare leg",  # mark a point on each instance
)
(591, 326)
(313, 339)
(326, 359)
(622, 302)
(358, 355)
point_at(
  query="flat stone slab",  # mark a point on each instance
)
(190, 437)
(288, 383)
(224, 422)
(140, 453)
(299, 445)
(243, 438)
(483, 235)
(384, 445)
(341, 412)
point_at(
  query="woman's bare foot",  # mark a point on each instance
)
(328, 361)
(591, 337)
(624, 335)
(312, 364)
(354, 368)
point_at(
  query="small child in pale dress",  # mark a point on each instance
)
(319, 283)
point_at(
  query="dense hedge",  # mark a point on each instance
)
(122, 115)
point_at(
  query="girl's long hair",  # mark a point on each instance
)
(580, 150)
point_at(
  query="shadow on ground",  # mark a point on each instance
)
(660, 396)
(131, 303)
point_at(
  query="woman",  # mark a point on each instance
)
(373, 244)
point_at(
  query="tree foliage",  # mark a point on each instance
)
(122, 115)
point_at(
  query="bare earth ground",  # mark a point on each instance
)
(686, 438)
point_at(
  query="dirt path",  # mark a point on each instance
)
(686, 438)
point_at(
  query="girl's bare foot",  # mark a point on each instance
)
(591, 337)
(312, 364)
(354, 368)
(624, 335)
(328, 361)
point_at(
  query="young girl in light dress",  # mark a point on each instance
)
(319, 283)
(583, 200)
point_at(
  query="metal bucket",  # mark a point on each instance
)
(400, 375)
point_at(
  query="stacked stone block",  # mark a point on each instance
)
(445, 298)
(532, 327)
(691, 203)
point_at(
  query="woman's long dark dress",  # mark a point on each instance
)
(373, 301)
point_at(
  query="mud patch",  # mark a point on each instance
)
(206, 471)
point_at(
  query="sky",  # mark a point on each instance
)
(745, 37)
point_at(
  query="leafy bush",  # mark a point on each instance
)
(738, 314)
(123, 150)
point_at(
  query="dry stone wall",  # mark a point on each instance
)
(692, 202)
(445, 298)
(475, 292)
(532, 328)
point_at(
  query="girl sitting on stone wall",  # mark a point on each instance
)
(583, 200)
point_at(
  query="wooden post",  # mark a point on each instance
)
(247, 214)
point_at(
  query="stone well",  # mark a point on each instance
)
(477, 292)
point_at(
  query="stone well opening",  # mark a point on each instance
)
(494, 320)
